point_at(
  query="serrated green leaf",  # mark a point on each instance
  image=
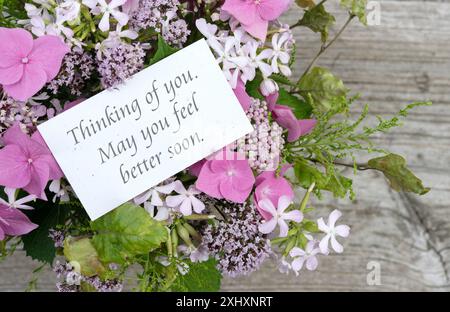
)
(318, 20)
(324, 91)
(83, 252)
(399, 175)
(357, 8)
(202, 277)
(37, 244)
(301, 109)
(307, 175)
(126, 232)
(252, 87)
(163, 50)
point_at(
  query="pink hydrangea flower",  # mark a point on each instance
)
(331, 231)
(269, 186)
(26, 65)
(229, 179)
(13, 222)
(254, 15)
(284, 116)
(26, 162)
(279, 216)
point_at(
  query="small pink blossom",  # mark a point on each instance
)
(26, 65)
(242, 95)
(229, 179)
(269, 186)
(186, 200)
(13, 222)
(279, 216)
(26, 162)
(331, 231)
(308, 256)
(284, 116)
(254, 15)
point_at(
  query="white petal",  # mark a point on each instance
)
(179, 187)
(175, 201)
(297, 264)
(284, 228)
(322, 226)
(312, 263)
(197, 204)
(121, 17)
(266, 205)
(283, 203)
(336, 246)
(104, 22)
(268, 226)
(296, 252)
(323, 245)
(334, 216)
(294, 215)
(342, 230)
(162, 214)
(186, 207)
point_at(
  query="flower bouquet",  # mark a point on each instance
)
(227, 214)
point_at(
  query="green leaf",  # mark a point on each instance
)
(324, 91)
(126, 232)
(252, 87)
(357, 8)
(307, 175)
(301, 109)
(37, 244)
(396, 171)
(318, 20)
(163, 50)
(202, 277)
(83, 252)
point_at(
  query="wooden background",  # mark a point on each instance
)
(406, 58)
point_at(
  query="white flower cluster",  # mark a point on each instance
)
(241, 55)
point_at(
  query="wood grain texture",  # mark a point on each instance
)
(406, 58)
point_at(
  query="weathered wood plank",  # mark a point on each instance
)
(404, 59)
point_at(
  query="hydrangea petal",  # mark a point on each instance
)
(33, 79)
(257, 29)
(16, 43)
(16, 222)
(244, 11)
(11, 75)
(39, 179)
(14, 170)
(49, 51)
(272, 9)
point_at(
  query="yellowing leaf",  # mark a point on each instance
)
(82, 252)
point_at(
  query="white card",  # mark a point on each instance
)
(121, 142)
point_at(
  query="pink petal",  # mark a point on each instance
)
(342, 230)
(268, 226)
(13, 222)
(33, 79)
(334, 216)
(242, 96)
(257, 29)
(306, 125)
(271, 100)
(228, 191)
(49, 51)
(196, 168)
(284, 116)
(55, 171)
(16, 136)
(208, 181)
(175, 201)
(14, 168)
(11, 75)
(2, 234)
(284, 228)
(244, 11)
(272, 9)
(39, 178)
(16, 43)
